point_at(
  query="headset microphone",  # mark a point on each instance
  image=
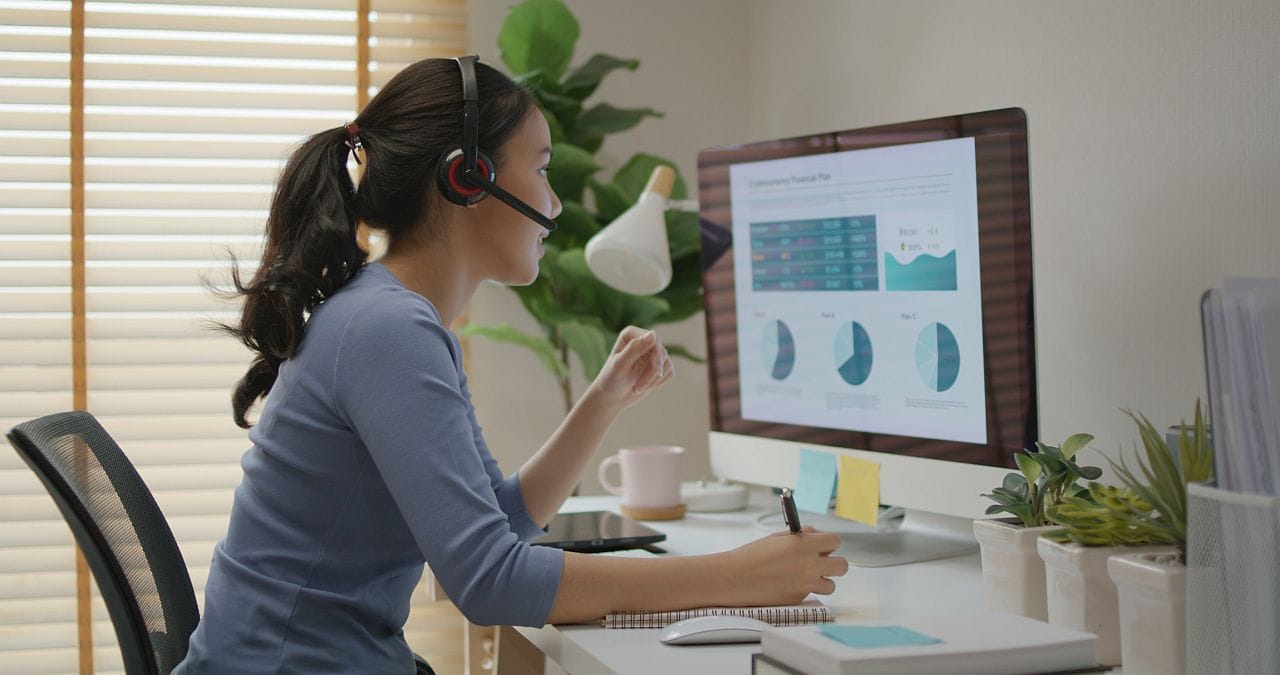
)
(467, 174)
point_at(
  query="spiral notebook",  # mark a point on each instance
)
(810, 611)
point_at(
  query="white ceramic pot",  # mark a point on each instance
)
(1153, 613)
(1082, 596)
(1012, 571)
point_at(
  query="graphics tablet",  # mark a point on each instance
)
(596, 532)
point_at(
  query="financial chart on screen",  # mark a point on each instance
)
(858, 295)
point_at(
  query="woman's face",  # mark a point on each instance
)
(511, 244)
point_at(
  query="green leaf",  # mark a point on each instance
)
(642, 310)
(683, 352)
(540, 346)
(583, 81)
(590, 141)
(1011, 495)
(538, 35)
(634, 175)
(603, 119)
(574, 226)
(590, 342)
(1030, 468)
(1015, 482)
(1089, 472)
(684, 233)
(553, 124)
(1051, 464)
(1074, 444)
(1049, 450)
(611, 201)
(566, 110)
(570, 168)
(684, 293)
(1024, 513)
(1003, 498)
(1196, 450)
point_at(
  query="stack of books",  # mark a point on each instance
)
(986, 643)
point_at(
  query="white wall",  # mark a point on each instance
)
(1155, 162)
(691, 56)
(1154, 153)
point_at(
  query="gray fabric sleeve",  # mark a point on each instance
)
(398, 386)
(510, 498)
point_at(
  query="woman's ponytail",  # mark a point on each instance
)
(311, 251)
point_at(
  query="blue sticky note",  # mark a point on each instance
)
(817, 481)
(865, 637)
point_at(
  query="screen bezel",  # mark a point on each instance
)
(1004, 208)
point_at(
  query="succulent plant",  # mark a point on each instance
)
(1151, 507)
(1110, 516)
(1047, 475)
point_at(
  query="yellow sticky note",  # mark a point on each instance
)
(858, 490)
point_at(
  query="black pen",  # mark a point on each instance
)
(789, 513)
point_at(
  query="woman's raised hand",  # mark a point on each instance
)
(637, 365)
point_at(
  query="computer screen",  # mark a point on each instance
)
(876, 294)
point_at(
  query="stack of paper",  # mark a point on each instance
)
(1242, 359)
(990, 643)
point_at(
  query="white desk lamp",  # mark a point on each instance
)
(632, 253)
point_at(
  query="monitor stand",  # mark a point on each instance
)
(899, 537)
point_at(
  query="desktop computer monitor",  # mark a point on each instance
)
(875, 299)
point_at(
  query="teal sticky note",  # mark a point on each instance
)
(817, 481)
(866, 637)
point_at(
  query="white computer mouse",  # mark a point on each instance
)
(706, 630)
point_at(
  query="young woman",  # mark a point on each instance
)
(367, 461)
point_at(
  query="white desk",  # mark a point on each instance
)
(864, 593)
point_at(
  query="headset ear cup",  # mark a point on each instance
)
(451, 182)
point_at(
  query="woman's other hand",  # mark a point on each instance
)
(637, 365)
(784, 568)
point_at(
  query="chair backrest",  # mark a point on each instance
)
(122, 532)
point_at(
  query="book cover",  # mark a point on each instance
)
(808, 612)
(763, 665)
(986, 643)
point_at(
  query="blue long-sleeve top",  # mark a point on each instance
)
(367, 461)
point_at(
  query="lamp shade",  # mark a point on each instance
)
(631, 254)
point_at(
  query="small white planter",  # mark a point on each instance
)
(1153, 613)
(1082, 596)
(1012, 571)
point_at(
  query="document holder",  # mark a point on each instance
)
(1233, 592)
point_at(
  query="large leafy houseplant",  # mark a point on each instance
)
(1150, 507)
(576, 312)
(1047, 475)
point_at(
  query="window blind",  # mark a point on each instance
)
(190, 110)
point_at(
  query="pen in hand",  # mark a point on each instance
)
(789, 513)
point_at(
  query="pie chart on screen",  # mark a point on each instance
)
(853, 353)
(937, 357)
(779, 350)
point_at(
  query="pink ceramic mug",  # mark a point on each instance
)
(650, 476)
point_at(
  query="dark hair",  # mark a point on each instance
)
(312, 248)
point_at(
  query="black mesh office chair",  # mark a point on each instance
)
(123, 534)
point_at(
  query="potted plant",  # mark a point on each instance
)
(1116, 569)
(576, 312)
(1012, 573)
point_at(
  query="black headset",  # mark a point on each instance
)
(467, 175)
